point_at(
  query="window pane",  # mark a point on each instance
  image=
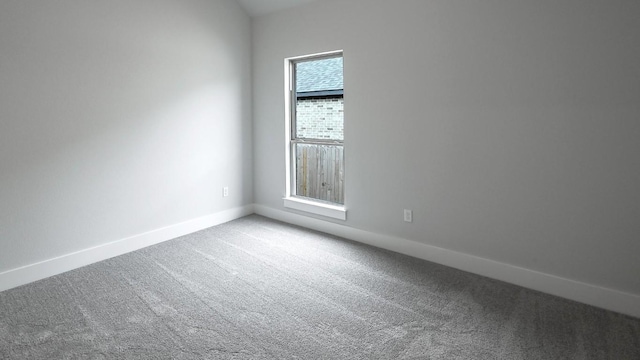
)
(319, 103)
(320, 118)
(320, 172)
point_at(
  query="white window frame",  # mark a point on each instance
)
(330, 210)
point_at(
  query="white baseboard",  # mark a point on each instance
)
(598, 296)
(33, 272)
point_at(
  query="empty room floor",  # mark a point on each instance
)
(255, 288)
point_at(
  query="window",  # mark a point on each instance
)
(315, 134)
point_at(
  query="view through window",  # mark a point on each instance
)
(317, 128)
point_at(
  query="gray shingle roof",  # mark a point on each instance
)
(319, 75)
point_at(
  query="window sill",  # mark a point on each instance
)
(317, 208)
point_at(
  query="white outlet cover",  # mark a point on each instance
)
(408, 215)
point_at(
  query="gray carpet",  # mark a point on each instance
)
(259, 289)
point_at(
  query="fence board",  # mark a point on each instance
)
(320, 172)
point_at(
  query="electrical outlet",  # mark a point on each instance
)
(408, 215)
(225, 191)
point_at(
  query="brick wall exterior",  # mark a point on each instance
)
(320, 118)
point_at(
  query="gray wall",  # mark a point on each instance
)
(514, 134)
(119, 117)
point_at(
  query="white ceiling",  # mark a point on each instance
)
(261, 7)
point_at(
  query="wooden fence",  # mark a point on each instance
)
(320, 172)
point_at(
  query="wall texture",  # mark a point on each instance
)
(509, 127)
(117, 118)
